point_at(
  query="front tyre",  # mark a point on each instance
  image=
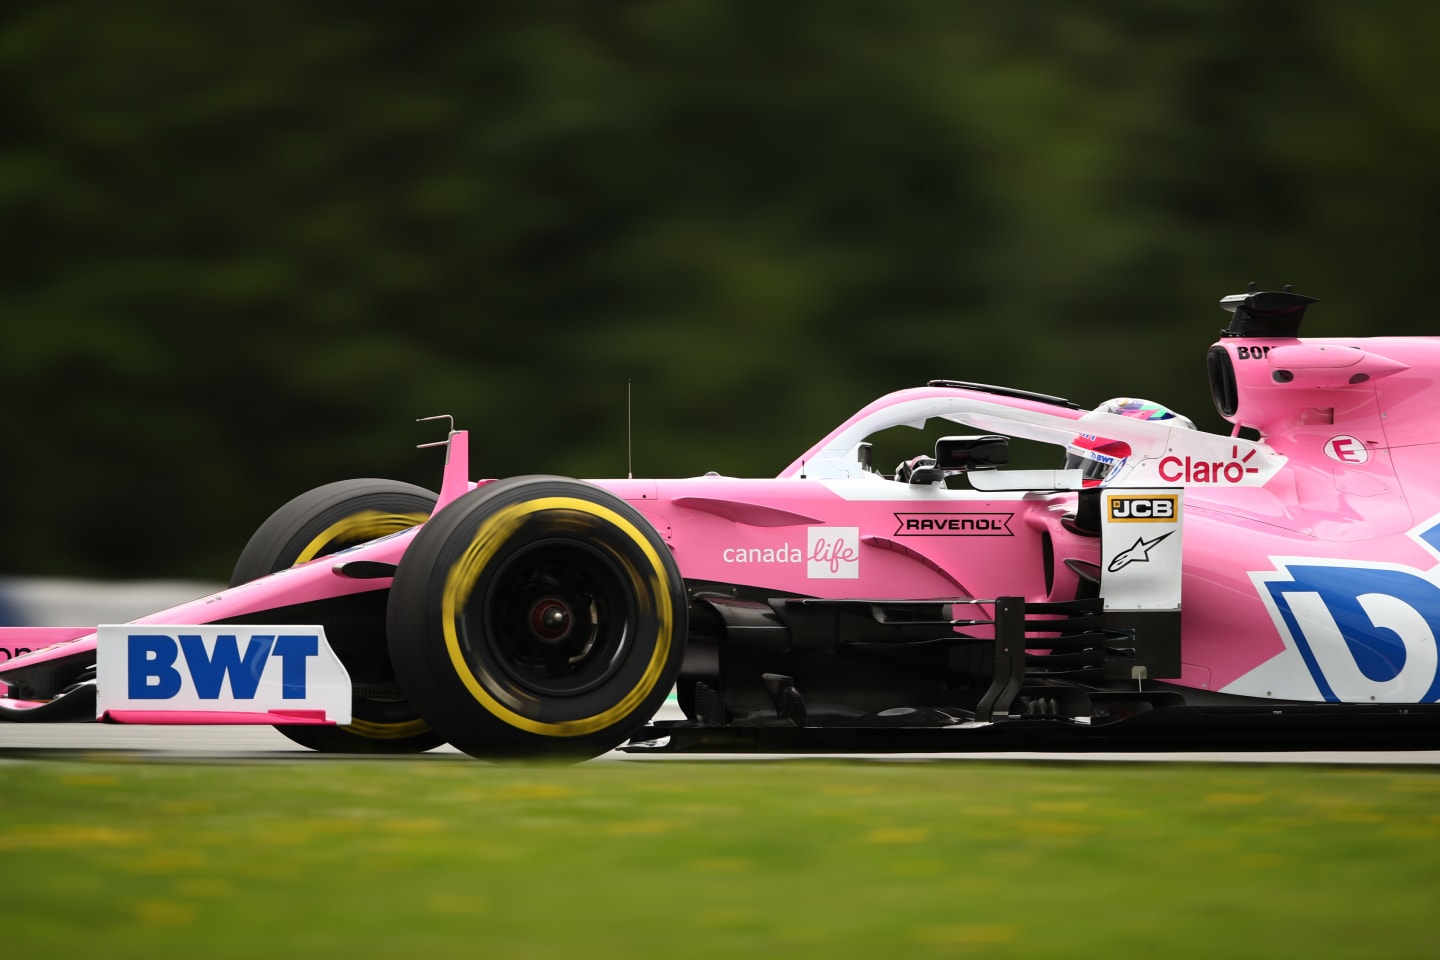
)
(321, 522)
(537, 616)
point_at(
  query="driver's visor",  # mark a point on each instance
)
(1089, 467)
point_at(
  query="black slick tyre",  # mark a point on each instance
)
(316, 524)
(537, 617)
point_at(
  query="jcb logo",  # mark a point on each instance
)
(1143, 509)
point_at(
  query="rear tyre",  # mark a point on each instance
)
(537, 617)
(316, 524)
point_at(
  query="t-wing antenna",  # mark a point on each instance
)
(450, 432)
(456, 480)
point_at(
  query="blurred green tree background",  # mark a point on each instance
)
(247, 244)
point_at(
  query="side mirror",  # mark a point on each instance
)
(971, 453)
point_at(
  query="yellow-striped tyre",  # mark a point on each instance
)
(537, 617)
(321, 522)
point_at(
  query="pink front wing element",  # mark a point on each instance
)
(315, 580)
(22, 642)
(268, 718)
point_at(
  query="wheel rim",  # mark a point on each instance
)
(505, 531)
(558, 616)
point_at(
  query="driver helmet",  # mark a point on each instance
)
(1100, 458)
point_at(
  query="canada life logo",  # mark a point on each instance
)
(831, 553)
(1366, 631)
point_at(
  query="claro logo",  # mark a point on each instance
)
(1189, 470)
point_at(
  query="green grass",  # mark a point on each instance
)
(430, 857)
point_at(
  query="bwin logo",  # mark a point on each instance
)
(1365, 631)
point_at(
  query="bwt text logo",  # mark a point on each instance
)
(155, 672)
(953, 525)
(1365, 631)
(1162, 509)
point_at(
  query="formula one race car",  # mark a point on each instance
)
(956, 604)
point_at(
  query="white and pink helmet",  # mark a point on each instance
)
(1099, 458)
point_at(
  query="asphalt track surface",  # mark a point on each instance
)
(242, 744)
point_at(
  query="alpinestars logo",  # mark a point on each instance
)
(1138, 553)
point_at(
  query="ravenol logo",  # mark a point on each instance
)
(953, 525)
(1365, 630)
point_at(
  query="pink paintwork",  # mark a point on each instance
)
(308, 581)
(1309, 571)
(219, 718)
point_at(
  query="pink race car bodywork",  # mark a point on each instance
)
(835, 597)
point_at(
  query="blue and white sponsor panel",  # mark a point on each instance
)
(1354, 631)
(151, 673)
